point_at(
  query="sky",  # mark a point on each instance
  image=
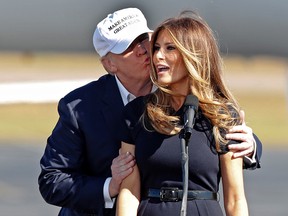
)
(246, 27)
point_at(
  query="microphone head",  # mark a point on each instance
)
(192, 100)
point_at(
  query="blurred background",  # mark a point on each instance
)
(46, 50)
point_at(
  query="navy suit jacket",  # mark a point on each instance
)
(80, 150)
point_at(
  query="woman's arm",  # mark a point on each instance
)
(129, 196)
(233, 185)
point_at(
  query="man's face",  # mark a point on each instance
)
(134, 62)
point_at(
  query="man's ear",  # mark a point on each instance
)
(108, 64)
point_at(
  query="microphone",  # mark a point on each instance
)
(190, 108)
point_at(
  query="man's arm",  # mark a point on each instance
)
(121, 167)
(250, 147)
(62, 181)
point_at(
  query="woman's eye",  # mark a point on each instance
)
(170, 47)
(156, 48)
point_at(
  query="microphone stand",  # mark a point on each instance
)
(190, 107)
(185, 171)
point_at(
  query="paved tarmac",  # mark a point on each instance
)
(266, 188)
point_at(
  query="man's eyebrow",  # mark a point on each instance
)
(139, 39)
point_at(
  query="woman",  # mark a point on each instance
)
(186, 60)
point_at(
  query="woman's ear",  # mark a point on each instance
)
(108, 64)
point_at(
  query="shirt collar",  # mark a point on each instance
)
(125, 94)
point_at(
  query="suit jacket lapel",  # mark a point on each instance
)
(113, 104)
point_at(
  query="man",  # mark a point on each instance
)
(76, 171)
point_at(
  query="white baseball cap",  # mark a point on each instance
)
(118, 30)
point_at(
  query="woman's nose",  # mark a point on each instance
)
(158, 54)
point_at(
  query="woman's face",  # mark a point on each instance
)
(168, 62)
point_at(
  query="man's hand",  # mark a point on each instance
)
(121, 167)
(241, 133)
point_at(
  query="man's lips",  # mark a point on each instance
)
(147, 60)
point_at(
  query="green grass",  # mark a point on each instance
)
(27, 122)
(267, 114)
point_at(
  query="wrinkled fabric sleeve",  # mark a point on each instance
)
(131, 119)
(127, 125)
(62, 181)
(249, 163)
(254, 162)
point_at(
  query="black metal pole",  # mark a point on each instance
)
(185, 172)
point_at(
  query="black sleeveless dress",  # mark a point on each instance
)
(158, 157)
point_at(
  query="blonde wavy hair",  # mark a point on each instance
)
(195, 41)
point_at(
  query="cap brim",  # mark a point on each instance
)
(122, 45)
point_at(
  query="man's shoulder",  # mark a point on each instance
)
(98, 84)
(97, 87)
(93, 96)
